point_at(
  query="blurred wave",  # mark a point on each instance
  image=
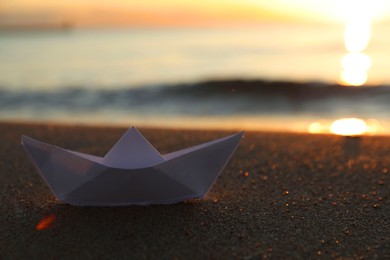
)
(211, 98)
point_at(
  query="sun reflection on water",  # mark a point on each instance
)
(357, 36)
(355, 67)
(357, 33)
(347, 127)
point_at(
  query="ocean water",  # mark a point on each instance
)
(269, 78)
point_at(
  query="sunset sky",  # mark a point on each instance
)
(181, 13)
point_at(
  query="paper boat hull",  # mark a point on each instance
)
(84, 181)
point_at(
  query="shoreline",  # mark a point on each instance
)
(282, 195)
(275, 125)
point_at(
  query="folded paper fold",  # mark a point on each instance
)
(132, 173)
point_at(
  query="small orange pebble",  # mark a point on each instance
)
(45, 222)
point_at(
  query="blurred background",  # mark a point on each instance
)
(316, 66)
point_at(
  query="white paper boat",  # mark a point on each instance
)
(132, 172)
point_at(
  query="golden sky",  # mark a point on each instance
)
(177, 12)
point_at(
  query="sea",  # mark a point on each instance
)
(272, 77)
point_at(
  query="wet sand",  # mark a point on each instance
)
(281, 196)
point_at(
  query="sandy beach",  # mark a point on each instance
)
(282, 196)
